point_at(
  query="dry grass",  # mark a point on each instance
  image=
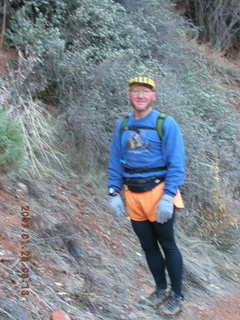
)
(40, 139)
(45, 154)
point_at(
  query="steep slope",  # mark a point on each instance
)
(90, 265)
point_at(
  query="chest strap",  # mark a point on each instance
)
(143, 170)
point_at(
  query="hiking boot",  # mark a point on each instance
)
(157, 297)
(173, 304)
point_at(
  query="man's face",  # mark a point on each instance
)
(141, 97)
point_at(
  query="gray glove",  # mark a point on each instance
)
(165, 208)
(117, 205)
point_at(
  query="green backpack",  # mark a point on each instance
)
(159, 125)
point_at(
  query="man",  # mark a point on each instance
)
(150, 168)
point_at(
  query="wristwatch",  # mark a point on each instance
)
(112, 192)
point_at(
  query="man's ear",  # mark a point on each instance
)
(154, 96)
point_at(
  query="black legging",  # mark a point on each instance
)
(152, 233)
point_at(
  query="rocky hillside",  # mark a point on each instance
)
(76, 257)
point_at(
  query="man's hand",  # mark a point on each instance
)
(117, 205)
(165, 208)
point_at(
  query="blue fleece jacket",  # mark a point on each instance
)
(144, 149)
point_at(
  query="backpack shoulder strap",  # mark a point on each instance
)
(123, 125)
(159, 124)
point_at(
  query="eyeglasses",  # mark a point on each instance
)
(136, 92)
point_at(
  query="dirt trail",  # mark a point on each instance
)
(227, 308)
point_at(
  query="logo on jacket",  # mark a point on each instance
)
(138, 142)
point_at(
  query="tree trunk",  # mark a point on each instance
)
(3, 23)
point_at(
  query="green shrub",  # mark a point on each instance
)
(11, 143)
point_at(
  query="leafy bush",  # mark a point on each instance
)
(11, 143)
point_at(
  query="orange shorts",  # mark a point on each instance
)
(143, 206)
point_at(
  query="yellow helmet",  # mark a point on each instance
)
(143, 80)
